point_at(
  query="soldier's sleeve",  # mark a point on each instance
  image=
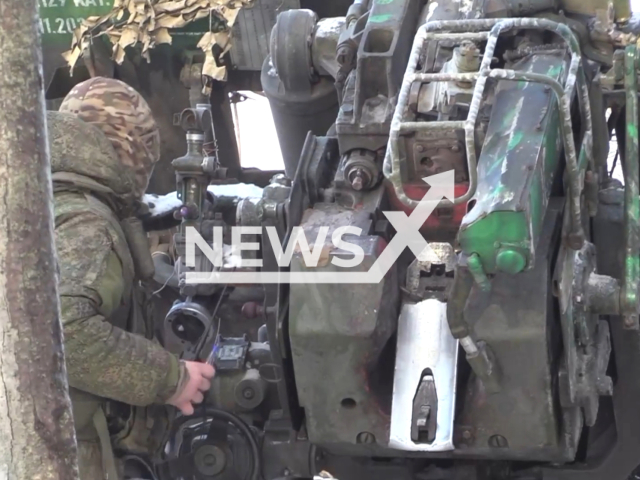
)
(102, 359)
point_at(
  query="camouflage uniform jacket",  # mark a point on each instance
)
(96, 277)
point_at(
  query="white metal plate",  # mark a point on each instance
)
(424, 342)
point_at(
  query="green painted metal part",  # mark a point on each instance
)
(631, 281)
(516, 170)
(383, 11)
(510, 260)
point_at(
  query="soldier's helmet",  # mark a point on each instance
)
(126, 120)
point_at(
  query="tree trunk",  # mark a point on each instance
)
(37, 440)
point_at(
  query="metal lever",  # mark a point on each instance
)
(424, 421)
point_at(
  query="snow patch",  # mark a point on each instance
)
(161, 205)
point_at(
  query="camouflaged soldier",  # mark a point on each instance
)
(104, 144)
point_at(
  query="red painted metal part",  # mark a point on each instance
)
(443, 220)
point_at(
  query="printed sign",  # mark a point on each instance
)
(59, 18)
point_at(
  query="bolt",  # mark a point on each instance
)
(357, 183)
(366, 438)
(466, 435)
(498, 441)
(631, 322)
(248, 393)
(343, 55)
(468, 59)
(420, 148)
(455, 148)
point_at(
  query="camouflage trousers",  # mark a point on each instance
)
(91, 432)
(144, 435)
(95, 459)
(90, 461)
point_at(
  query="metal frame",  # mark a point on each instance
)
(631, 278)
(476, 30)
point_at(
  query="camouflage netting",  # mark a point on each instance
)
(148, 22)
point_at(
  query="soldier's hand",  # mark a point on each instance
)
(192, 389)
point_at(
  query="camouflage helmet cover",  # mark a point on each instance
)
(126, 120)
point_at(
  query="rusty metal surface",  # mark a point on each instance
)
(334, 332)
(432, 156)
